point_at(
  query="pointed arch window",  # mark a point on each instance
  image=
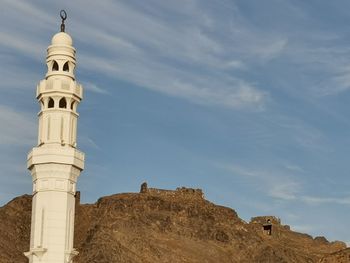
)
(54, 66)
(72, 105)
(63, 103)
(51, 103)
(66, 67)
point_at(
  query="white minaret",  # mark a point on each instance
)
(55, 164)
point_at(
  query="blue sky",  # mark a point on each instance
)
(248, 100)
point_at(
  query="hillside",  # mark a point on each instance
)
(168, 226)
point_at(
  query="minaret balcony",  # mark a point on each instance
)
(62, 85)
(58, 155)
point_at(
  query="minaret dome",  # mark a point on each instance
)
(60, 58)
(62, 38)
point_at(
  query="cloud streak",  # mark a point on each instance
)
(312, 200)
(94, 88)
(277, 184)
(282, 185)
(182, 60)
(17, 128)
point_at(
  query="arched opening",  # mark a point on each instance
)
(63, 103)
(267, 227)
(51, 103)
(54, 66)
(66, 67)
(72, 105)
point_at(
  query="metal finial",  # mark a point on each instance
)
(63, 15)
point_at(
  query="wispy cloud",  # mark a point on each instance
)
(179, 59)
(23, 45)
(235, 64)
(328, 56)
(341, 81)
(277, 184)
(281, 185)
(17, 128)
(88, 142)
(17, 136)
(10, 80)
(94, 88)
(33, 12)
(271, 50)
(312, 200)
(284, 191)
(300, 132)
(295, 168)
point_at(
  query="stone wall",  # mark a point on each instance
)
(264, 220)
(267, 225)
(179, 192)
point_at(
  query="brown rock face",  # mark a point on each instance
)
(342, 256)
(168, 226)
(15, 229)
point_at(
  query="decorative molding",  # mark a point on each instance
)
(70, 255)
(38, 252)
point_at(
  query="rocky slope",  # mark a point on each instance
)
(342, 256)
(168, 226)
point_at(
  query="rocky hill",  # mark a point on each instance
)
(342, 256)
(160, 226)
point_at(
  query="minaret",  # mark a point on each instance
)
(55, 163)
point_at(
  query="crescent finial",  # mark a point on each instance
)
(63, 15)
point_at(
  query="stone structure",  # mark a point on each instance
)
(55, 163)
(269, 225)
(179, 192)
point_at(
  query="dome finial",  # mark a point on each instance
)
(63, 15)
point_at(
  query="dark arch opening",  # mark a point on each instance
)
(66, 67)
(55, 66)
(72, 105)
(51, 103)
(63, 103)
